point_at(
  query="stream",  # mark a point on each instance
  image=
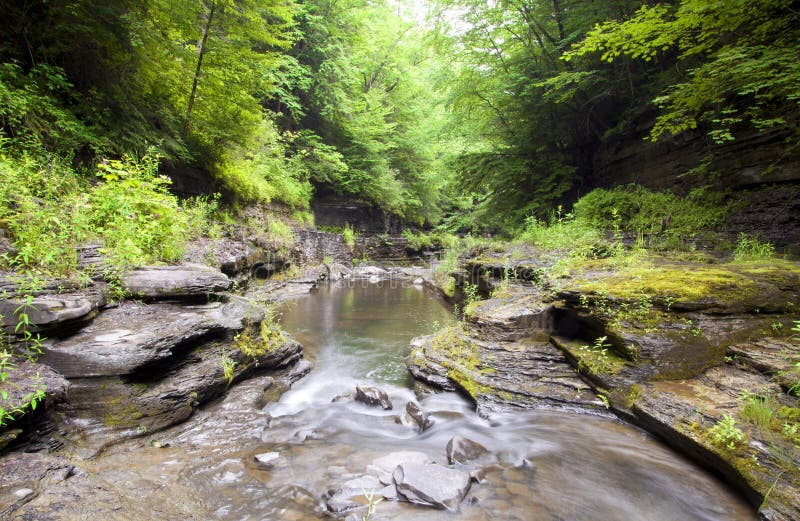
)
(550, 465)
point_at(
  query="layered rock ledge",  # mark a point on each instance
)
(681, 349)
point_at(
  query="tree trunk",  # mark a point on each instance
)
(559, 21)
(202, 49)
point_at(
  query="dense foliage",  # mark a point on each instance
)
(477, 116)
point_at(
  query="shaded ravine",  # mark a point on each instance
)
(549, 465)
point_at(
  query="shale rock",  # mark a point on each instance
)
(52, 311)
(415, 414)
(463, 450)
(432, 485)
(132, 336)
(373, 396)
(170, 282)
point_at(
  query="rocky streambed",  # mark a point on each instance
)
(159, 407)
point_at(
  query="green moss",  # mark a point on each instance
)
(462, 360)
(468, 384)
(126, 416)
(677, 282)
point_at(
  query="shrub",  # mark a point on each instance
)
(725, 433)
(638, 211)
(349, 235)
(135, 215)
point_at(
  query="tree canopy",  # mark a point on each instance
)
(472, 114)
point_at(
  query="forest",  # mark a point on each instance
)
(459, 115)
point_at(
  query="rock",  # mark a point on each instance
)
(497, 374)
(414, 414)
(342, 398)
(65, 493)
(52, 311)
(373, 396)
(132, 336)
(106, 410)
(432, 485)
(186, 281)
(369, 272)
(23, 474)
(267, 459)
(463, 450)
(354, 494)
(299, 370)
(28, 377)
(682, 412)
(383, 467)
(337, 272)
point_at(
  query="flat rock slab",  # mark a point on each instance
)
(24, 475)
(432, 485)
(512, 317)
(355, 494)
(132, 336)
(682, 412)
(383, 467)
(169, 282)
(107, 410)
(50, 311)
(501, 375)
(771, 356)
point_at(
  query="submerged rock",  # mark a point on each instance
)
(267, 459)
(356, 493)
(463, 450)
(432, 485)
(373, 396)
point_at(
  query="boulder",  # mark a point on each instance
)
(373, 396)
(432, 485)
(337, 272)
(463, 450)
(169, 282)
(415, 415)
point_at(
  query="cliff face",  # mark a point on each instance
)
(761, 169)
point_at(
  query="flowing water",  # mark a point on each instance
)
(550, 465)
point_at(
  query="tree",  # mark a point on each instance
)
(739, 62)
